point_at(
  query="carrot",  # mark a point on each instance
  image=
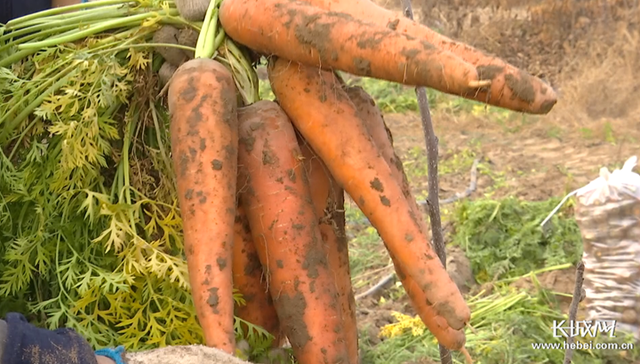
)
(374, 122)
(304, 33)
(339, 137)
(277, 199)
(248, 279)
(510, 88)
(328, 200)
(204, 139)
(450, 338)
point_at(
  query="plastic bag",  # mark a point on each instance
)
(608, 214)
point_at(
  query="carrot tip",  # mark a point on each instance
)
(479, 83)
(467, 356)
(471, 328)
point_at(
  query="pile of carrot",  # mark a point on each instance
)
(261, 186)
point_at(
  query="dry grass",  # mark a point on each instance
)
(600, 58)
(588, 49)
(603, 83)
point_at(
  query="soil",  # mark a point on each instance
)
(559, 283)
(372, 315)
(422, 361)
(536, 163)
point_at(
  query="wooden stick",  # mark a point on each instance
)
(573, 309)
(473, 184)
(432, 159)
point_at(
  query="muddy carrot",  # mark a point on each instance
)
(448, 337)
(339, 137)
(328, 200)
(510, 88)
(204, 139)
(304, 33)
(249, 280)
(277, 199)
(437, 325)
(374, 122)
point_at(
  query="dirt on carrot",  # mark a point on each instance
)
(336, 133)
(335, 40)
(287, 237)
(248, 279)
(380, 134)
(510, 87)
(328, 200)
(204, 131)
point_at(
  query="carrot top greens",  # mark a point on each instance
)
(90, 226)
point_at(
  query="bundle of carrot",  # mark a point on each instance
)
(261, 184)
(295, 157)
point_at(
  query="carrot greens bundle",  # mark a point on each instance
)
(91, 227)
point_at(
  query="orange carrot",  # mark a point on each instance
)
(450, 338)
(510, 88)
(304, 33)
(328, 200)
(204, 139)
(277, 200)
(339, 137)
(374, 122)
(248, 279)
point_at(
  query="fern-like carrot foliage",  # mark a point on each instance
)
(90, 230)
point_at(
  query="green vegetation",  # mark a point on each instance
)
(506, 323)
(504, 239)
(505, 243)
(90, 230)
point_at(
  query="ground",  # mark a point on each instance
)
(532, 158)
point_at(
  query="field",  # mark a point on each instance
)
(525, 166)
